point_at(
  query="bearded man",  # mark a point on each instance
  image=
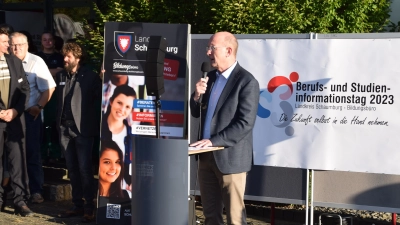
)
(79, 92)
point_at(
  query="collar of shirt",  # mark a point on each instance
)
(2, 58)
(227, 72)
(26, 59)
(71, 75)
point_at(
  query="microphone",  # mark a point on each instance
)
(205, 68)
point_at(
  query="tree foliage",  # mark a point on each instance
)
(300, 16)
(243, 16)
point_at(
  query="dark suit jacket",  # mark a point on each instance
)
(85, 103)
(233, 120)
(18, 97)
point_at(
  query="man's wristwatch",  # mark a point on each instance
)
(38, 105)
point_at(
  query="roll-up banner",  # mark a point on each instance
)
(127, 110)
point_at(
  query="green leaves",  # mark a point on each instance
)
(244, 16)
(300, 16)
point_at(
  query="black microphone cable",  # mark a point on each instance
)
(205, 68)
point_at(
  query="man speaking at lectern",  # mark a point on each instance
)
(228, 111)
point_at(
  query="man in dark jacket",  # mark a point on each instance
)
(79, 92)
(14, 96)
(228, 112)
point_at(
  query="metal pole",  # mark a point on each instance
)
(92, 14)
(312, 199)
(158, 106)
(48, 11)
(272, 213)
(307, 195)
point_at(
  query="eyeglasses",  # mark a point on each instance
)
(213, 48)
(18, 45)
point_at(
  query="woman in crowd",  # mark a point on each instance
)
(53, 59)
(115, 126)
(55, 62)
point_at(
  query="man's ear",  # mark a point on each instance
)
(229, 51)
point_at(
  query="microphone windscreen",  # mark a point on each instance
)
(205, 67)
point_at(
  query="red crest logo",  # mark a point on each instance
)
(122, 41)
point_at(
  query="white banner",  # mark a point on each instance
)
(326, 104)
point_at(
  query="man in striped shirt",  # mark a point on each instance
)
(14, 96)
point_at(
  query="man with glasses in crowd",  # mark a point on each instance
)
(42, 86)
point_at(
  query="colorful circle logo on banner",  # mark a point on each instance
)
(287, 108)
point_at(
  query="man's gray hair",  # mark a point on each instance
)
(18, 34)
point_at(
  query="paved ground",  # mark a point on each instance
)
(251, 219)
(46, 214)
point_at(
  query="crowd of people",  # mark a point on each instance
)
(53, 85)
(29, 79)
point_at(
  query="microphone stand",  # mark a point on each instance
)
(157, 101)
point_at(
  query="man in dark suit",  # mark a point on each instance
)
(14, 96)
(228, 112)
(79, 94)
